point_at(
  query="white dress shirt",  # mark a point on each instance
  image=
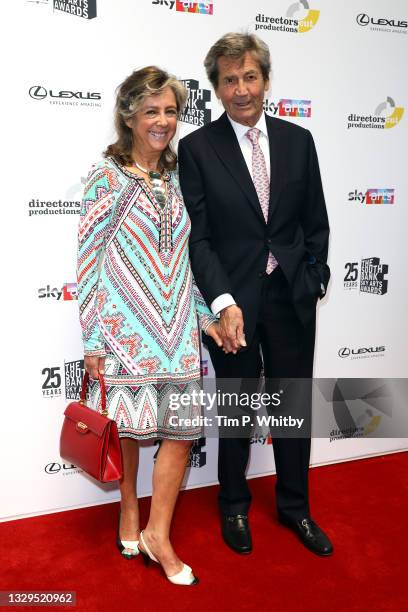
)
(226, 299)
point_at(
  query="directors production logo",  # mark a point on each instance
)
(372, 196)
(382, 24)
(372, 276)
(362, 352)
(387, 115)
(287, 107)
(199, 8)
(66, 97)
(195, 111)
(38, 207)
(299, 18)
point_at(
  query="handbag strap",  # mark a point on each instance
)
(103, 391)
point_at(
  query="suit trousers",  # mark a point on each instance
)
(284, 348)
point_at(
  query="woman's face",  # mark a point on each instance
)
(155, 123)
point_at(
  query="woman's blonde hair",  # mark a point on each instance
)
(130, 96)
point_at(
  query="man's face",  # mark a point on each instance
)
(241, 88)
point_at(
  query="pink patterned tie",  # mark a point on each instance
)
(261, 183)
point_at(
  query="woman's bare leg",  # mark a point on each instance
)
(129, 521)
(168, 475)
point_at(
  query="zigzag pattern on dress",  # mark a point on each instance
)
(138, 302)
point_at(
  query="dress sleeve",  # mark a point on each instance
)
(94, 220)
(205, 316)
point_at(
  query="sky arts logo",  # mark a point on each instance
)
(382, 24)
(299, 18)
(387, 115)
(68, 292)
(372, 196)
(369, 279)
(361, 353)
(261, 439)
(199, 8)
(65, 97)
(195, 111)
(286, 107)
(80, 8)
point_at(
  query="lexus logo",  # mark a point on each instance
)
(37, 92)
(52, 468)
(363, 19)
(344, 352)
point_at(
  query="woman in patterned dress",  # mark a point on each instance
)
(139, 305)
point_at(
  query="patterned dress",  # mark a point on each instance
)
(139, 303)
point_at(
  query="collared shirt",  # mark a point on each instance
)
(226, 299)
(246, 145)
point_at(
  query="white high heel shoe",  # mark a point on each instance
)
(122, 545)
(185, 577)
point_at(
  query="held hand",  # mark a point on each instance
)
(94, 365)
(232, 329)
(214, 332)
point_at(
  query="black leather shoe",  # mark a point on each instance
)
(311, 535)
(236, 533)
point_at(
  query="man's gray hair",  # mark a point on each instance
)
(234, 45)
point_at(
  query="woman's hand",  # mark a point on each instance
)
(94, 366)
(214, 331)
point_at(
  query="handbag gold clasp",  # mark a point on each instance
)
(82, 426)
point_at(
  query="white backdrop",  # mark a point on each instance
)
(331, 62)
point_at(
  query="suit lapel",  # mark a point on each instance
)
(225, 144)
(276, 145)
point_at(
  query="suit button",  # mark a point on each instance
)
(261, 274)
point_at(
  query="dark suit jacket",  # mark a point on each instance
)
(230, 239)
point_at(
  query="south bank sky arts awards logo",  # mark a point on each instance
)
(198, 8)
(299, 18)
(80, 8)
(195, 111)
(370, 278)
(85, 9)
(386, 115)
(374, 196)
(52, 380)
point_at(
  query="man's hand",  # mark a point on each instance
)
(94, 366)
(232, 329)
(214, 332)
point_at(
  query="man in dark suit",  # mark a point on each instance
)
(258, 246)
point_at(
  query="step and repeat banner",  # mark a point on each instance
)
(339, 70)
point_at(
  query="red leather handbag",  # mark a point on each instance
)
(90, 440)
